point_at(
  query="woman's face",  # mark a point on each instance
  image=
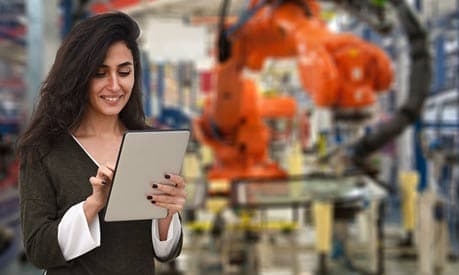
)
(111, 85)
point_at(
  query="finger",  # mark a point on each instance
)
(104, 171)
(171, 190)
(180, 194)
(98, 181)
(168, 199)
(178, 180)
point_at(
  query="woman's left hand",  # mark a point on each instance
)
(173, 195)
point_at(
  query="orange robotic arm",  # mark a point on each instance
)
(337, 70)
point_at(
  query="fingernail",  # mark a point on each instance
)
(167, 176)
(104, 182)
(155, 185)
(153, 202)
(149, 197)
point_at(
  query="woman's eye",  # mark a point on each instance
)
(124, 73)
(99, 74)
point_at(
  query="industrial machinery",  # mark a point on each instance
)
(439, 138)
(340, 72)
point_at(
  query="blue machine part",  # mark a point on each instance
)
(71, 14)
(439, 126)
(439, 76)
(168, 116)
(440, 130)
(10, 117)
(174, 118)
(67, 7)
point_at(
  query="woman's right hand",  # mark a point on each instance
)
(100, 189)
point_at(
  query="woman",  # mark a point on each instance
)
(91, 96)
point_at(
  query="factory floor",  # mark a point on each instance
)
(279, 265)
(394, 267)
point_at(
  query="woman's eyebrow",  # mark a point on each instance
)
(127, 63)
(124, 64)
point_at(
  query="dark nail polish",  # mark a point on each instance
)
(155, 185)
(149, 197)
(167, 176)
(153, 202)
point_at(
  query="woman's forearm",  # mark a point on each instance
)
(91, 209)
(163, 227)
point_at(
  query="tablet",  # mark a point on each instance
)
(144, 157)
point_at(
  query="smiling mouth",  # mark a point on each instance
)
(112, 99)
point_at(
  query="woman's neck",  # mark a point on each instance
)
(100, 126)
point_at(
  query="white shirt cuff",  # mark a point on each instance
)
(164, 248)
(75, 236)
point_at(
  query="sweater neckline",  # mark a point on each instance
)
(84, 149)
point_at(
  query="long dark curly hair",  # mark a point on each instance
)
(64, 93)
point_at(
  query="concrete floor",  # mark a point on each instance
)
(282, 265)
(393, 265)
(276, 255)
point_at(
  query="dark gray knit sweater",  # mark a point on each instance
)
(57, 179)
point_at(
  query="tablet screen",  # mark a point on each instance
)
(144, 158)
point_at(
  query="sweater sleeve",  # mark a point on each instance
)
(39, 217)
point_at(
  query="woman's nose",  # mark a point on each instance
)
(114, 82)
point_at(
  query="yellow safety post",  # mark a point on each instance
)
(191, 172)
(245, 218)
(295, 168)
(322, 144)
(295, 160)
(191, 168)
(199, 226)
(323, 219)
(323, 211)
(408, 181)
(217, 204)
(207, 156)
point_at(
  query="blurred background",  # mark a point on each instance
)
(324, 141)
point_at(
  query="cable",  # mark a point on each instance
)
(420, 79)
(224, 45)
